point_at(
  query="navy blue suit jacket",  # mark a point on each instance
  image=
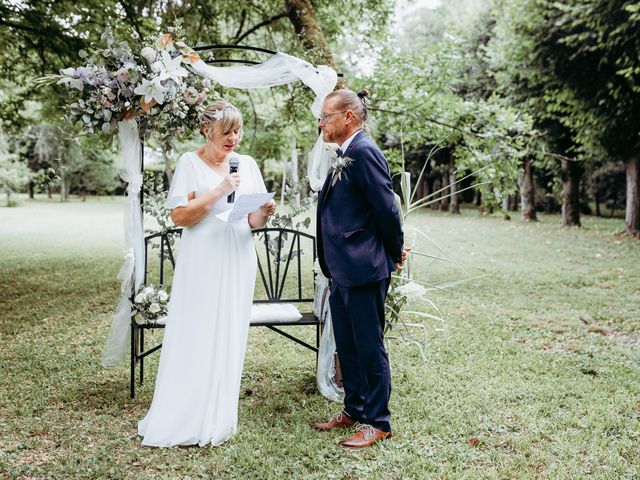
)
(358, 224)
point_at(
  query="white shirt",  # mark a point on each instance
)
(347, 142)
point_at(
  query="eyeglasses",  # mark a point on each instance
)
(323, 116)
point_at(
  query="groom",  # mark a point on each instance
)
(360, 242)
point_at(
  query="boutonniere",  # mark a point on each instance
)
(338, 165)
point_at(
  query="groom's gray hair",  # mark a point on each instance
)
(349, 100)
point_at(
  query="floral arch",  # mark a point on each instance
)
(162, 88)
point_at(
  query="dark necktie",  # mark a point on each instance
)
(340, 153)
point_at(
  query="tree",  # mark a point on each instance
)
(594, 48)
(432, 99)
(14, 174)
(44, 37)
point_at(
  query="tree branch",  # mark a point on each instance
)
(243, 18)
(268, 21)
(427, 119)
(131, 15)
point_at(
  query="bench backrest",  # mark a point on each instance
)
(286, 260)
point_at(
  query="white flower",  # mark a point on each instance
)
(191, 96)
(149, 54)
(339, 165)
(69, 81)
(316, 267)
(331, 149)
(411, 291)
(163, 296)
(155, 308)
(218, 114)
(147, 292)
(139, 298)
(169, 68)
(152, 90)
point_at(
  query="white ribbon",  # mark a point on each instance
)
(132, 271)
(326, 370)
(281, 69)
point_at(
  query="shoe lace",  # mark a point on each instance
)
(367, 430)
(338, 417)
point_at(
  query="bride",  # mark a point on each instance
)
(198, 383)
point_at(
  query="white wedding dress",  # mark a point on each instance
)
(198, 382)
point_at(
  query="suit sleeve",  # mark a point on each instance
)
(371, 174)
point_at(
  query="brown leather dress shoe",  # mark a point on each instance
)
(365, 436)
(339, 420)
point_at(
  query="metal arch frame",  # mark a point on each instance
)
(203, 48)
(137, 338)
(233, 47)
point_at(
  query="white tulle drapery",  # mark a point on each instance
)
(325, 373)
(132, 271)
(280, 69)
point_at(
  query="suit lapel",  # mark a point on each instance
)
(327, 188)
(353, 142)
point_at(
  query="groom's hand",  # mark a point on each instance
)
(403, 258)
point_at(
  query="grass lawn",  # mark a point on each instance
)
(537, 375)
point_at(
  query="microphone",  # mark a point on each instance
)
(233, 168)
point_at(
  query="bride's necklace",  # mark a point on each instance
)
(210, 162)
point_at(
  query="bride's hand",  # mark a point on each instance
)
(229, 184)
(268, 208)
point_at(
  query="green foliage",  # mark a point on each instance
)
(294, 216)
(14, 174)
(90, 167)
(593, 47)
(433, 100)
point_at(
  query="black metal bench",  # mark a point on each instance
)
(283, 265)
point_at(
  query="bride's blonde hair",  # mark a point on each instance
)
(223, 116)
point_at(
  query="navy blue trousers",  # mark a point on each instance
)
(358, 323)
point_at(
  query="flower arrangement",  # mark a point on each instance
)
(401, 291)
(155, 84)
(338, 164)
(150, 303)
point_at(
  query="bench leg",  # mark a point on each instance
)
(142, 358)
(132, 376)
(317, 344)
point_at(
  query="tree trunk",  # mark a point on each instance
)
(31, 190)
(596, 197)
(436, 186)
(454, 205)
(527, 191)
(478, 199)
(49, 193)
(444, 198)
(632, 211)
(571, 172)
(303, 17)
(64, 188)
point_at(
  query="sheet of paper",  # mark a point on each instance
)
(244, 205)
